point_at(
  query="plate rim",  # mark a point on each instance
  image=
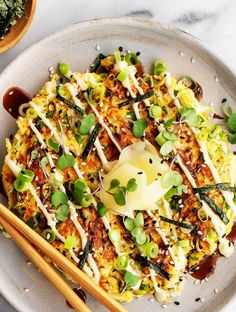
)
(133, 21)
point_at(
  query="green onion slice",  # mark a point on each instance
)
(117, 56)
(155, 112)
(124, 73)
(159, 67)
(121, 263)
(151, 250)
(49, 235)
(114, 236)
(131, 58)
(70, 242)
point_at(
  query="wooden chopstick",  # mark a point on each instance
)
(75, 273)
(45, 268)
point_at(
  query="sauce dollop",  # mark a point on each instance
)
(206, 267)
(13, 99)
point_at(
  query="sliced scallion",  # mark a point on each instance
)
(70, 242)
(49, 235)
(121, 263)
(159, 67)
(131, 58)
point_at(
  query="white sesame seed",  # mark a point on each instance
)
(100, 248)
(97, 47)
(181, 206)
(93, 249)
(127, 93)
(11, 92)
(167, 252)
(196, 282)
(188, 133)
(187, 162)
(206, 279)
(83, 163)
(204, 239)
(180, 201)
(101, 104)
(171, 262)
(10, 110)
(151, 299)
(199, 232)
(36, 178)
(123, 129)
(202, 281)
(106, 108)
(28, 262)
(26, 289)
(94, 149)
(192, 60)
(216, 290)
(81, 253)
(164, 306)
(179, 132)
(202, 299)
(216, 79)
(82, 172)
(181, 53)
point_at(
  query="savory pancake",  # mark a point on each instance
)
(124, 173)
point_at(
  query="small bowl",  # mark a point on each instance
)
(20, 28)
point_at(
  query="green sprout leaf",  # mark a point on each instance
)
(132, 185)
(139, 126)
(129, 224)
(138, 220)
(171, 178)
(232, 122)
(87, 124)
(58, 198)
(190, 116)
(101, 209)
(169, 123)
(119, 196)
(54, 146)
(62, 212)
(232, 138)
(130, 279)
(65, 161)
(167, 147)
(114, 184)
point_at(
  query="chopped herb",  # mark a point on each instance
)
(84, 256)
(145, 262)
(132, 185)
(169, 123)
(91, 141)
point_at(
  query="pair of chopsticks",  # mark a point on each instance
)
(22, 234)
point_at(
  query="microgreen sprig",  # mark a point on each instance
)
(139, 126)
(119, 193)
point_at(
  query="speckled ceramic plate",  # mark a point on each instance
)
(184, 55)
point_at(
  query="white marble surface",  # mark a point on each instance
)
(213, 21)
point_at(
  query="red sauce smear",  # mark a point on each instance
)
(79, 292)
(13, 99)
(207, 266)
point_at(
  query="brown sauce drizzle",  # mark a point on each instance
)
(207, 266)
(232, 235)
(80, 293)
(13, 99)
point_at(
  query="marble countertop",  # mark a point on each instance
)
(213, 21)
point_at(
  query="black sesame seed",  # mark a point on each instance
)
(223, 235)
(46, 150)
(182, 137)
(138, 53)
(177, 303)
(150, 161)
(76, 124)
(11, 137)
(197, 299)
(61, 80)
(140, 172)
(60, 111)
(159, 174)
(162, 161)
(71, 76)
(120, 49)
(224, 100)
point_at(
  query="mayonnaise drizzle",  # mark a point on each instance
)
(227, 195)
(73, 213)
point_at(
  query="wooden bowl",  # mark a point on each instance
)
(20, 28)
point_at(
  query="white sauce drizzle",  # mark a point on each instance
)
(227, 195)
(73, 93)
(73, 213)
